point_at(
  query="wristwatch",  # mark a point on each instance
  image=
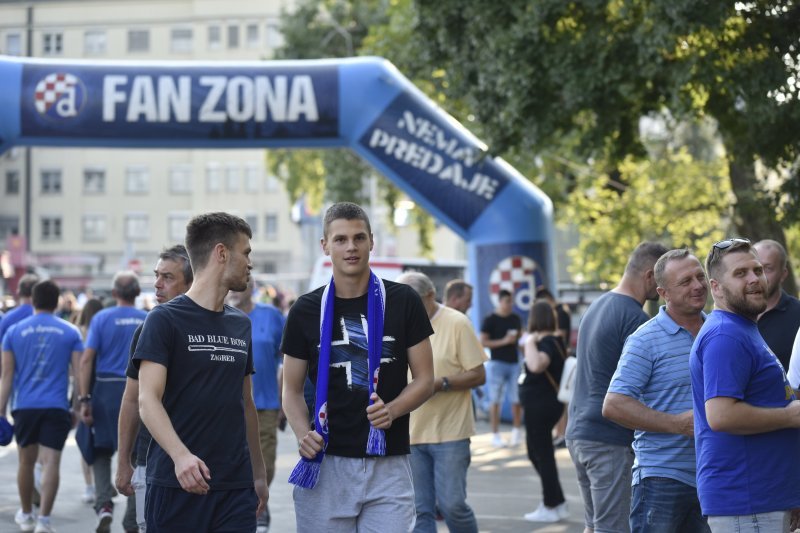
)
(85, 399)
(445, 385)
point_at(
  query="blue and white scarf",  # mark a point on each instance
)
(306, 473)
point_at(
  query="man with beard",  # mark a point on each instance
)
(780, 321)
(745, 413)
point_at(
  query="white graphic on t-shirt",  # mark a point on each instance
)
(198, 343)
(350, 352)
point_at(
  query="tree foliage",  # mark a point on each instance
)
(587, 71)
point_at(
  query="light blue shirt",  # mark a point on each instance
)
(110, 335)
(654, 369)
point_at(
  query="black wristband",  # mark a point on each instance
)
(445, 384)
(85, 399)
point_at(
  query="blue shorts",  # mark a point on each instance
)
(48, 427)
(500, 377)
(173, 510)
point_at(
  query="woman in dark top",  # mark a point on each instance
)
(538, 393)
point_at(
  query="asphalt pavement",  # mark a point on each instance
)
(502, 487)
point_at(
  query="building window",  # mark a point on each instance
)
(181, 40)
(51, 181)
(252, 36)
(252, 178)
(51, 228)
(137, 180)
(94, 42)
(177, 226)
(12, 182)
(233, 36)
(213, 178)
(94, 227)
(271, 227)
(214, 37)
(138, 40)
(232, 178)
(252, 221)
(52, 43)
(137, 227)
(271, 183)
(180, 179)
(94, 180)
(274, 36)
(13, 44)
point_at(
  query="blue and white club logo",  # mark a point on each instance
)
(59, 95)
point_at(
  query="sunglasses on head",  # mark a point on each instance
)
(727, 243)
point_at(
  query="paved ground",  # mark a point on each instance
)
(502, 487)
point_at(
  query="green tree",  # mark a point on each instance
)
(587, 71)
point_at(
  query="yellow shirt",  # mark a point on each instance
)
(447, 416)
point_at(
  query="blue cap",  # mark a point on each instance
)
(6, 431)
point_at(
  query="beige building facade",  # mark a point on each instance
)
(91, 211)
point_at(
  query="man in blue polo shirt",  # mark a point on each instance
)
(37, 354)
(745, 413)
(651, 392)
(108, 341)
(267, 323)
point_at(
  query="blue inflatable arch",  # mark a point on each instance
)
(361, 103)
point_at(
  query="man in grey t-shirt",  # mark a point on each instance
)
(601, 449)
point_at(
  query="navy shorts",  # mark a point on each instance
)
(173, 510)
(48, 427)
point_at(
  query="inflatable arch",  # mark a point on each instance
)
(361, 103)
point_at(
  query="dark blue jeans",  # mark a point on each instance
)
(664, 505)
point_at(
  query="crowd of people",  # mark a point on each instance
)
(685, 421)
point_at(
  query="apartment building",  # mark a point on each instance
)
(92, 212)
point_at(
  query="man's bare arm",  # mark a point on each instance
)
(254, 445)
(633, 414)
(128, 427)
(294, 405)
(84, 380)
(191, 471)
(740, 418)
(6, 380)
(473, 377)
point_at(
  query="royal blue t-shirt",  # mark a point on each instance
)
(21, 312)
(208, 354)
(42, 346)
(267, 323)
(741, 474)
(110, 334)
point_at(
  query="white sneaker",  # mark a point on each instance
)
(44, 527)
(497, 441)
(516, 437)
(563, 511)
(543, 514)
(88, 494)
(262, 529)
(26, 522)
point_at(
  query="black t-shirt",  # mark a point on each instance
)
(143, 437)
(405, 325)
(208, 354)
(497, 327)
(538, 384)
(779, 327)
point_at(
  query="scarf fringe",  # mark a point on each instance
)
(305, 474)
(376, 443)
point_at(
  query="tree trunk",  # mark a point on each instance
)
(753, 213)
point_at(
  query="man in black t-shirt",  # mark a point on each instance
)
(205, 471)
(356, 491)
(500, 333)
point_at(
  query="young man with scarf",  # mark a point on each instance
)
(356, 338)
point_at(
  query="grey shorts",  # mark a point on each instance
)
(372, 494)
(604, 477)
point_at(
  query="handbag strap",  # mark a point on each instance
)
(552, 381)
